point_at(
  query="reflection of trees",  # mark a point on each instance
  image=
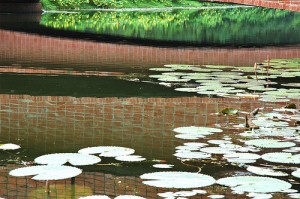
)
(211, 25)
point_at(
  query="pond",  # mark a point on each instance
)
(178, 103)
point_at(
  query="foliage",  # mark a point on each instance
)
(77, 4)
(243, 25)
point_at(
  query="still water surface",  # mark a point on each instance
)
(69, 81)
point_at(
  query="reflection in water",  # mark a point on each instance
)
(236, 26)
(61, 95)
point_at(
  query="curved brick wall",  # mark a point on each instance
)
(16, 47)
(292, 5)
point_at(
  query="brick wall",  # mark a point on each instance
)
(21, 48)
(292, 5)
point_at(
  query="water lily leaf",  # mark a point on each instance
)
(184, 193)
(195, 144)
(291, 84)
(187, 89)
(265, 171)
(187, 148)
(285, 158)
(251, 156)
(197, 130)
(75, 159)
(261, 88)
(254, 184)
(183, 180)
(294, 195)
(181, 66)
(216, 150)
(163, 166)
(162, 69)
(47, 172)
(218, 142)
(259, 195)
(219, 66)
(229, 111)
(107, 151)
(192, 155)
(264, 122)
(173, 79)
(269, 143)
(199, 191)
(189, 136)
(215, 196)
(9, 146)
(130, 158)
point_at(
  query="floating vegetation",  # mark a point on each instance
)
(177, 194)
(47, 172)
(108, 151)
(215, 196)
(204, 80)
(216, 150)
(265, 171)
(269, 143)
(9, 146)
(130, 158)
(254, 184)
(163, 166)
(268, 123)
(171, 180)
(192, 155)
(75, 159)
(284, 158)
(197, 131)
(241, 157)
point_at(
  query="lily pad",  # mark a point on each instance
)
(197, 130)
(130, 158)
(265, 171)
(163, 166)
(269, 143)
(108, 151)
(254, 184)
(75, 159)
(183, 180)
(285, 158)
(192, 155)
(47, 172)
(9, 146)
(296, 173)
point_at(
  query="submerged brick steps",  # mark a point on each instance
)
(291, 5)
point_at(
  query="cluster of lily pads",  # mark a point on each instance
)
(250, 152)
(52, 166)
(260, 81)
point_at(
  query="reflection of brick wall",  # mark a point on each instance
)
(23, 48)
(47, 124)
(292, 5)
